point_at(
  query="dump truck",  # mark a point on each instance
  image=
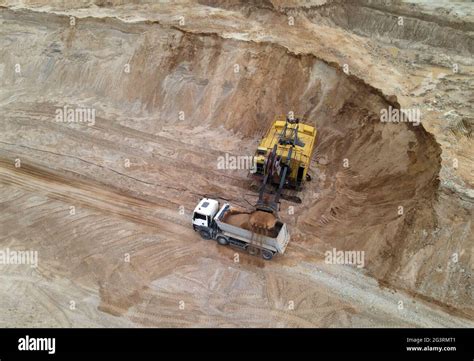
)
(213, 223)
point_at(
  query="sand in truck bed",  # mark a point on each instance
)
(257, 222)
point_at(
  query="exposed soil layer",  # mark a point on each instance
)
(169, 102)
(400, 24)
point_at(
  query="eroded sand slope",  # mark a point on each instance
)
(128, 256)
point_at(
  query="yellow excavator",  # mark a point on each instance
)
(282, 160)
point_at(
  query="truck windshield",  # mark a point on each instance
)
(199, 216)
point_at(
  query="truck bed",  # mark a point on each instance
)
(277, 243)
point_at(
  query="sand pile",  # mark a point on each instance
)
(238, 219)
(258, 222)
(262, 220)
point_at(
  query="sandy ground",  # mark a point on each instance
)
(107, 206)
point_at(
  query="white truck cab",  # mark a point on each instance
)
(204, 212)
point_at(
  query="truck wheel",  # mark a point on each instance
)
(267, 255)
(252, 250)
(222, 241)
(205, 234)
